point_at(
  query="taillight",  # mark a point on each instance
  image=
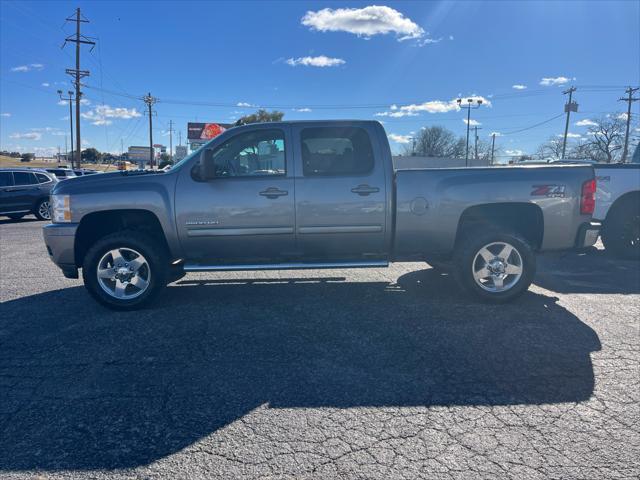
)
(588, 198)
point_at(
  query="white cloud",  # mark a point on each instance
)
(400, 138)
(396, 114)
(432, 106)
(27, 136)
(518, 86)
(5, 114)
(85, 101)
(319, 61)
(304, 109)
(102, 114)
(364, 22)
(585, 123)
(497, 134)
(450, 37)
(243, 104)
(472, 122)
(45, 84)
(63, 102)
(27, 68)
(622, 116)
(514, 153)
(570, 135)
(549, 81)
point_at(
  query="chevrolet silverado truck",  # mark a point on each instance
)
(310, 195)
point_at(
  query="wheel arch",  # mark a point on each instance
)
(621, 201)
(96, 225)
(523, 218)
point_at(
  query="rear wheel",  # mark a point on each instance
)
(621, 232)
(494, 266)
(125, 270)
(42, 211)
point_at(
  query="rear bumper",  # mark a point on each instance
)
(59, 239)
(588, 234)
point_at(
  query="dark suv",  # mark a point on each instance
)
(24, 191)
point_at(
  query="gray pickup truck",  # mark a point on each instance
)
(321, 194)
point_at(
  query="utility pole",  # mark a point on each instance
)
(150, 101)
(629, 91)
(493, 145)
(121, 148)
(476, 128)
(180, 137)
(66, 150)
(69, 100)
(78, 74)
(569, 107)
(468, 106)
(171, 141)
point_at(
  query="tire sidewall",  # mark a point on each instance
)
(612, 236)
(466, 255)
(136, 241)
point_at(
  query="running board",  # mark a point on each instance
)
(192, 267)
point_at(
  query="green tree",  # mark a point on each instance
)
(260, 116)
(90, 155)
(27, 157)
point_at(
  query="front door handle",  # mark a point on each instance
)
(364, 190)
(273, 192)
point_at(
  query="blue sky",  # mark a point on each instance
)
(206, 61)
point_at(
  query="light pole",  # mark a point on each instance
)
(69, 99)
(468, 106)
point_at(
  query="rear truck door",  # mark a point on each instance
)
(246, 213)
(341, 198)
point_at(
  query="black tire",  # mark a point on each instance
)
(466, 261)
(39, 210)
(621, 232)
(155, 255)
(16, 216)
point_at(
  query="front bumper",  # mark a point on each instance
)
(588, 234)
(59, 238)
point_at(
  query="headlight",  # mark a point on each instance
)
(60, 208)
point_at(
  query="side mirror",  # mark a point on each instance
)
(207, 165)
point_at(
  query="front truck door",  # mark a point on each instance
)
(246, 213)
(341, 197)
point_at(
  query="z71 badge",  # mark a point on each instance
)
(549, 191)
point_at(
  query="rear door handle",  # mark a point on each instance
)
(364, 190)
(273, 192)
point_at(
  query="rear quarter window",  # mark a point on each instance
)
(6, 179)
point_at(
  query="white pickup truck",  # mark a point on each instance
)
(618, 207)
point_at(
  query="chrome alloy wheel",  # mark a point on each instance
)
(123, 273)
(497, 267)
(44, 211)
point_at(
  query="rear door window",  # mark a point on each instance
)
(6, 179)
(24, 178)
(336, 151)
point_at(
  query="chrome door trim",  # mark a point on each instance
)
(228, 232)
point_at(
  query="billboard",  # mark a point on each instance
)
(139, 153)
(205, 131)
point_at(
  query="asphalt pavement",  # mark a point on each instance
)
(359, 374)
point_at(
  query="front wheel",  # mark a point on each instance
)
(494, 266)
(125, 270)
(42, 211)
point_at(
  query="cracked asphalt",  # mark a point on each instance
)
(358, 374)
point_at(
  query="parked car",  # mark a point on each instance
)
(62, 173)
(24, 191)
(618, 207)
(293, 195)
(84, 171)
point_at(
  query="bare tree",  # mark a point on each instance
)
(551, 149)
(606, 138)
(437, 141)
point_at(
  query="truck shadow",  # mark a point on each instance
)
(590, 271)
(105, 390)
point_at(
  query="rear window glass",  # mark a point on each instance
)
(42, 178)
(6, 179)
(331, 151)
(24, 178)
